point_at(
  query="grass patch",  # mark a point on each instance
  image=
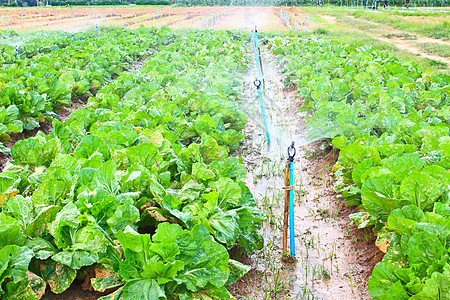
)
(436, 64)
(434, 26)
(435, 49)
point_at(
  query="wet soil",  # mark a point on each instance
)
(333, 258)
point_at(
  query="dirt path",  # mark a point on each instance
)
(378, 31)
(334, 260)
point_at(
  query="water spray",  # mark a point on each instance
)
(7, 23)
(135, 19)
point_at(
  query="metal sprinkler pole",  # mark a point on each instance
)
(291, 201)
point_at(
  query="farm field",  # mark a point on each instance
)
(136, 161)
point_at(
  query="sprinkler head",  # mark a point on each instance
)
(17, 48)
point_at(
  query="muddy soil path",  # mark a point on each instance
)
(379, 31)
(334, 260)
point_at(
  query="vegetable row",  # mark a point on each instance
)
(32, 90)
(138, 187)
(390, 119)
(35, 43)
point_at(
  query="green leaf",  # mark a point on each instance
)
(230, 167)
(42, 249)
(145, 289)
(11, 232)
(353, 154)
(89, 146)
(340, 142)
(117, 295)
(75, 259)
(225, 227)
(39, 224)
(384, 284)
(229, 192)
(105, 178)
(380, 196)
(31, 288)
(420, 190)
(14, 261)
(436, 287)
(237, 270)
(160, 271)
(201, 172)
(58, 276)
(402, 219)
(420, 250)
(108, 281)
(66, 222)
(125, 215)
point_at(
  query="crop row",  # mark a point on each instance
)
(390, 120)
(35, 43)
(32, 90)
(138, 186)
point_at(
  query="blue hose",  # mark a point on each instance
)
(291, 210)
(263, 113)
(255, 50)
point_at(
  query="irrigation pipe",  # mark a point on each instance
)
(289, 202)
(257, 83)
(256, 50)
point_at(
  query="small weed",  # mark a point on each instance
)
(403, 36)
(436, 63)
